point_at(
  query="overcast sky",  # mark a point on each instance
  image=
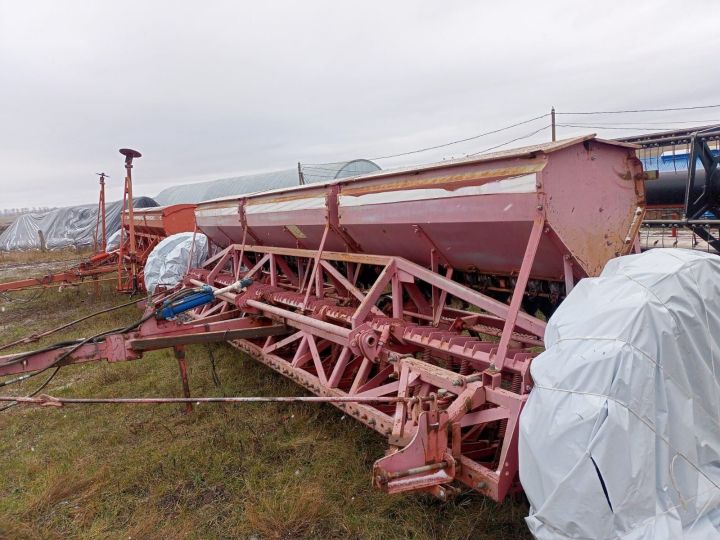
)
(218, 88)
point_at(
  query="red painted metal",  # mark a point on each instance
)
(97, 265)
(588, 190)
(341, 346)
(129, 278)
(100, 226)
(361, 289)
(141, 230)
(162, 221)
(148, 227)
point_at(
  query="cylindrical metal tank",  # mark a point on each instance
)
(668, 190)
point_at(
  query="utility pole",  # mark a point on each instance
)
(301, 176)
(100, 226)
(552, 122)
(128, 204)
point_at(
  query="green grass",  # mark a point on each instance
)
(263, 471)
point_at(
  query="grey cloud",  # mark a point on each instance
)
(207, 90)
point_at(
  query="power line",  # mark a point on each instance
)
(462, 140)
(444, 145)
(527, 135)
(647, 123)
(596, 125)
(591, 126)
(511, 141)
(667, 109)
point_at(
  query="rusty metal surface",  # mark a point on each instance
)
(526, 152)
(427, 387)
(368, 294)
(589, 191)
(163, 220)
(595, 215)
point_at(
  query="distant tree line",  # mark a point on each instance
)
(17, 211)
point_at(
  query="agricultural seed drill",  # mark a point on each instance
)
(412, 299)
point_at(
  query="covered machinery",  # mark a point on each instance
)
(397, 296)
(150, 226)
(250, 183)
(72, 227)
(142, 231)
(619, 439)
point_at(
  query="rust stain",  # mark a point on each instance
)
(357, 188)
(296, 231)
(453, 181)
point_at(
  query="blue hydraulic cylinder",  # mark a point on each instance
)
(171, 309)
(200, 296)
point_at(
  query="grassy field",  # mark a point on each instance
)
(238, 471)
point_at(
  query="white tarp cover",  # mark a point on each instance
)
(168, 261)
(113, 241)
(73, 226)
(620, 437)
(252, 183)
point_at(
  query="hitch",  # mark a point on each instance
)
(425, 463)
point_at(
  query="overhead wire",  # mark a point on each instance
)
(526, 136)
(308, 168)
(315, 175)
(628, 111)
(595, 126)
(651, 123)
(466, 139)
(444, 145)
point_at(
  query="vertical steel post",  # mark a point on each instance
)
(41, 236)
(316, 268)
(180, 356)
(100, 239)
(128, 200)
(100, 227)
(568, 274)
(552, 122)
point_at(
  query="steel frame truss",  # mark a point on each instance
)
(361, 326)
(342, 344)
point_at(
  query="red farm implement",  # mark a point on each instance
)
(407, 298)
(151, 226)
(141, 230)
